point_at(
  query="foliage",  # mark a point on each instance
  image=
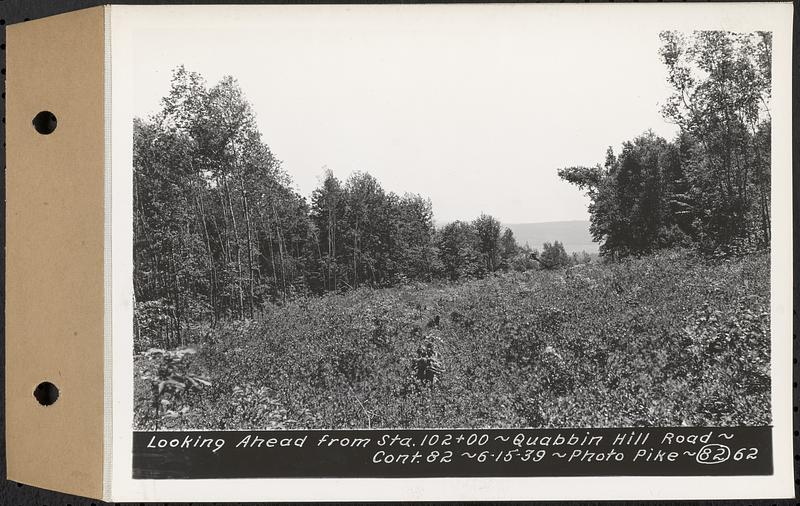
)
(168, 383)
(711, 185)
(459, 248)
(220, 234)
(670, 339)
(367, 236)
(722, 87)
(508, 248)
(487, 229)
(580, 258)
(554, 256)
(213, 212)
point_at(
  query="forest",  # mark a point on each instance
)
(219, 230)
(273, 304)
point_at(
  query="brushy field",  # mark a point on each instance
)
(670, 339)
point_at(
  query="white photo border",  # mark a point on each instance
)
(123, 23)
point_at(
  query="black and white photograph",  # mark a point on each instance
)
(497, 236)
(456, 241)
(401, 252)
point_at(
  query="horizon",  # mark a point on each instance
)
(507, 224)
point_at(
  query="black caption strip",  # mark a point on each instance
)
(661, 451)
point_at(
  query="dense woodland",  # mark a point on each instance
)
(220, 231)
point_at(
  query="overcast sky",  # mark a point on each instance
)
(475, 108)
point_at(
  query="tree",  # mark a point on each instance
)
(367, 230)
(487, 229)
(327, 214)
(711, 185)
(554, 256)
(217, 230)
(458, 245)
(632, 196)
(722, 87)
(168, 255)
(508, 248)
(414, 247)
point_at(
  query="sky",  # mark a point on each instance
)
(473, 107)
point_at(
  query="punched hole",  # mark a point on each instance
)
(45, 122)
(46, 393)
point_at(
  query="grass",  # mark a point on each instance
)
(670, 339)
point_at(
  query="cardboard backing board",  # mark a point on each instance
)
(55, 252)
(60, 302)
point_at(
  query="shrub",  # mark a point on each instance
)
(669, 339)
(554, 256)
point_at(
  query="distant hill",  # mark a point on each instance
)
(573, 234)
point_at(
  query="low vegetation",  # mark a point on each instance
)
(673, 338)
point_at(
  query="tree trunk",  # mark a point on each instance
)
(249, 246)
(280, 249)
(211, 266)
(238, 250)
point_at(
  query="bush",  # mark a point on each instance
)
(671, 339)
(554, 256)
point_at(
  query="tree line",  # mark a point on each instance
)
(710, 186)
(219, 230)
